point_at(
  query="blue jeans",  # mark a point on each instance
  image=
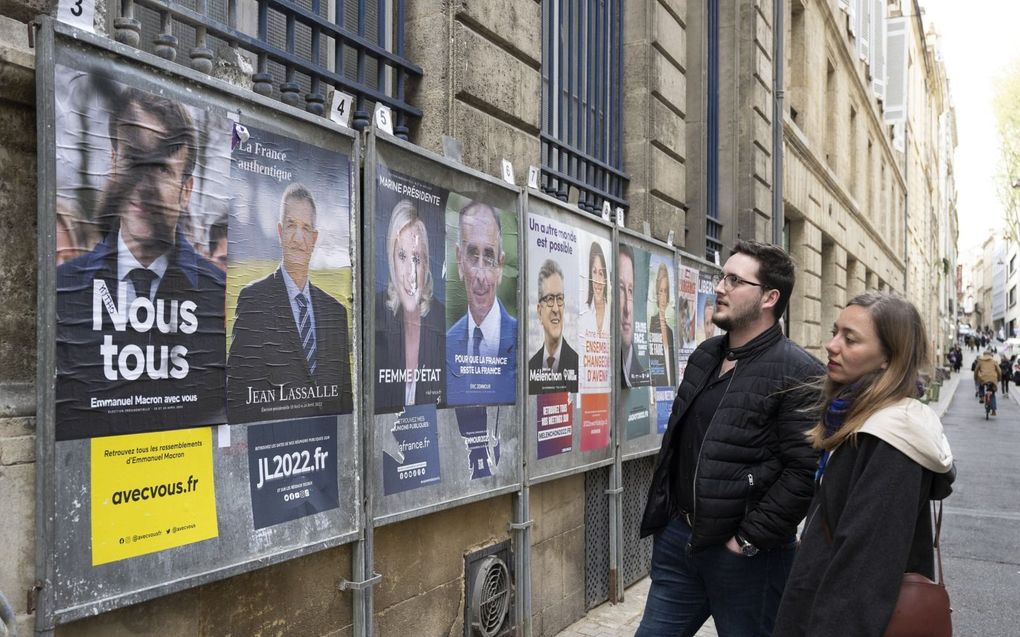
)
(740, 593)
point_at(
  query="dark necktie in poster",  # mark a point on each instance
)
(481, 304)
(289, 281)
(410, 316)
(292, 469)
(413, 459)
(141, 179)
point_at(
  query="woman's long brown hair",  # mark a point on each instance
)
(904, 342)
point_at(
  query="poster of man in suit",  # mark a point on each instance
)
(140, 323)
(481, 304)
(553, 296)
(288, 281)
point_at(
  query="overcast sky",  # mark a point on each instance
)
(979, 41)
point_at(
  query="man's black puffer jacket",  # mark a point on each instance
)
(756, 468)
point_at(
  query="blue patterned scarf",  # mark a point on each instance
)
(834, 418)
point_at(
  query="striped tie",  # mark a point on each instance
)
(306, 331)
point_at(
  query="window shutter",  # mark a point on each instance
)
(864, 39)
(896, 70)
(853, 13)
(878, 48)
(844, 5)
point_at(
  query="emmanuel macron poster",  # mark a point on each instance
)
(140, 323)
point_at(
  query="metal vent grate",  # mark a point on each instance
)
(491, 599)
(489, 592)
(637, 553)
(596, 537)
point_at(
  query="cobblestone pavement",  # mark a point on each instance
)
(621, 620)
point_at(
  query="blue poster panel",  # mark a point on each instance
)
(289, 281)
(481, 304)
(411, 455)
(410, 315)
(293, 470)
(140, 178)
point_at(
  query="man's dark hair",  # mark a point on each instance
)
(776, 270)
(173, 115)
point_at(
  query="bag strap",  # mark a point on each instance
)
(937, 514)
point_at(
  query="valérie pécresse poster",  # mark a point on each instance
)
(289, 281)
(142, 179)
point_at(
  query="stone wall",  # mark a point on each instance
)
(17, 319)
(655, 111)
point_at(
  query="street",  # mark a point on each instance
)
(981, 543)
(981, 526)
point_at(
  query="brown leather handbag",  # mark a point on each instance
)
(922, 609)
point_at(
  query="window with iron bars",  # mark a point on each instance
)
(713, 223)
(295, 50)
(582, 101)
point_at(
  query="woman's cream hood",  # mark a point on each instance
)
(913, 429)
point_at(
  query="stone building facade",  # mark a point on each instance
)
(863, 211)
(868, 180)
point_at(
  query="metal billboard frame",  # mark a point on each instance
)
(376, 516)
(663, 249)
(52, 37)
(538, 478)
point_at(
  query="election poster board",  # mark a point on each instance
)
(704, 327)
(146, 210)
(687, 302)
(443, 331)
(648, 294)
(570, 342)
(289, 281)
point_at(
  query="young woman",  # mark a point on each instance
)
(884, 456)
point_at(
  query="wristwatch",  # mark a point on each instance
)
(748, 549)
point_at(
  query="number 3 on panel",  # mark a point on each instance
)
(77, 13)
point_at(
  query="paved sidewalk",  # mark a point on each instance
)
(621, 620)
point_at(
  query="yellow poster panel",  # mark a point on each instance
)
(151, 492)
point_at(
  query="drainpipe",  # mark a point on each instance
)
(778, 34)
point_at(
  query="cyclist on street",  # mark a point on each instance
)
(986, 370)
